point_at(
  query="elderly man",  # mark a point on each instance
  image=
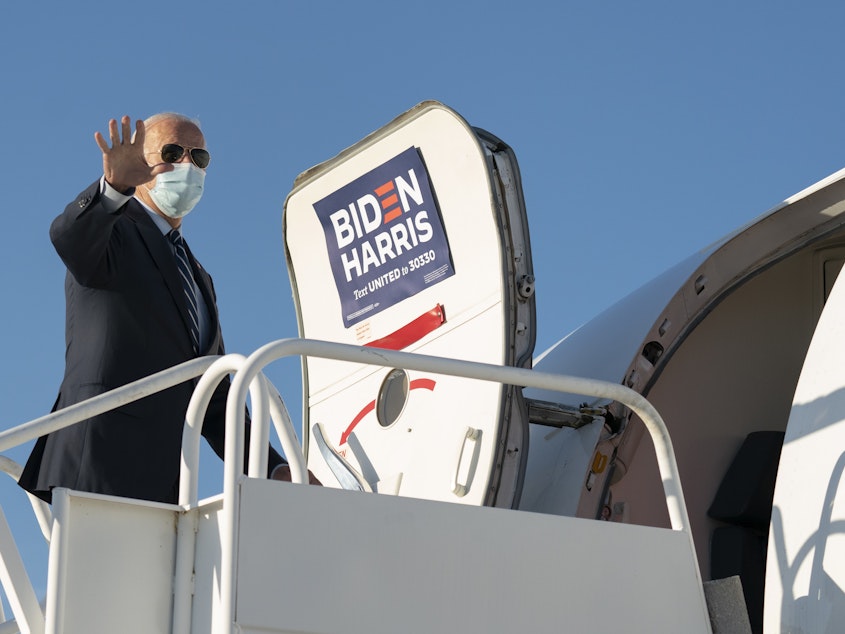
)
(137, 302)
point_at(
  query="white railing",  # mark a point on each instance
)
(265, 401)
(15, 581)
(28, 614)
(267, 404)
(39, 506)
(265, 355)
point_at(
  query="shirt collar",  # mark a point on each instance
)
(159, 221)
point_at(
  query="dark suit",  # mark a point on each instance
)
(126, 318)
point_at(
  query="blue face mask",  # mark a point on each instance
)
(178, 191)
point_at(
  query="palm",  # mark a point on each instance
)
(124, 165)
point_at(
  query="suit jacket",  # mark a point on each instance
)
(126, 318)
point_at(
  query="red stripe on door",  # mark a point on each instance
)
(412, 331)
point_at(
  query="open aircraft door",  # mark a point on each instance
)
(415, 239)
(805, 578)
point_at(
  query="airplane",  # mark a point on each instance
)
(670, 466)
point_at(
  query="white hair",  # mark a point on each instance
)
(161, 116)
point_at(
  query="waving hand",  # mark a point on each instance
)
(124, 164)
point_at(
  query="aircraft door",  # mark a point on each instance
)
(415, 239)
(805, 573)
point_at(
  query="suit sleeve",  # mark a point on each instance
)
(84, 237)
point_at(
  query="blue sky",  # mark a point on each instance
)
(644, 131)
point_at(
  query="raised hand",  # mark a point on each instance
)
(124, 164)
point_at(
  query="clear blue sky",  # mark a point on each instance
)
(644, 131)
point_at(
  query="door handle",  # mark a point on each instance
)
(467, 461)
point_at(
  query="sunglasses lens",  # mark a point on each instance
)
(171, 153)
(200, 157)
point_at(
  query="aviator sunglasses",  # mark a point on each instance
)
(173, 152)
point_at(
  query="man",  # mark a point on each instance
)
(137, 302)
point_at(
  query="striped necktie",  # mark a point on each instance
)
(187, 284)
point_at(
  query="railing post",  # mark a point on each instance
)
(16, 581)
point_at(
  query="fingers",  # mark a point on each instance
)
(126, 129)
(123, 156)
(122, 135)
(113, 135)
(140, 132)
(101, 141)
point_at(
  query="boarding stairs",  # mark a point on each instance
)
(267, 556)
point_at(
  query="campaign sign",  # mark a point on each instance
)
(385, 237)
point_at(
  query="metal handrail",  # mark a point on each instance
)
(264, 405)
(248, 379)
(44, 517)
(233, 464)
(39, 506)
(195, 415)
(213, 369)
(16, 582)
(104, 402)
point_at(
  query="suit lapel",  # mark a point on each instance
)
(161, 254)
